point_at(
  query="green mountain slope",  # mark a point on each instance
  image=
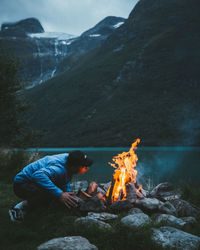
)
(143, 82)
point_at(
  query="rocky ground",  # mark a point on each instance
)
(168, 215)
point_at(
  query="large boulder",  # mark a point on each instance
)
(172, 238)
(136, 220)
(67, 243)
(89, 222)
(184, 208)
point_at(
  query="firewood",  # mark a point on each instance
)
(109, 200)
(83, 195)
(139, 194)
(131, 192)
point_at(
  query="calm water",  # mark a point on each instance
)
(155, 164)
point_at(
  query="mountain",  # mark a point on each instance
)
(43, 55)
(21, 28)
(143, 81)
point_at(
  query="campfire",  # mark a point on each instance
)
(124, 185)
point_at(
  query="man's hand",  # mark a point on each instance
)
(68, 200)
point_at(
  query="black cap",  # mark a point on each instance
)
(78, 158)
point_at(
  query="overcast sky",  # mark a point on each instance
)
(69, 16)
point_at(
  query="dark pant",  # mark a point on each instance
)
(34, 194)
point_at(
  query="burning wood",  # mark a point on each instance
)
(123, 185)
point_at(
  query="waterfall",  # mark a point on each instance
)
(56, 54)
(40, 56)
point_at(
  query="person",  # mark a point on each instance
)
(47, 179)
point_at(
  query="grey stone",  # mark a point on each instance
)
(135, 210)
(121, 206)
(155, 205)
(102, 216)
(189, 219)
(164, 191)
(93, 204)
(136, 220)
(101, 191)
(75, 186)
(167, 208)
(67, 243)
(169, 237)
(105, 186)
(91, 222)
(185, 209)
(148, 203)
(170, 220)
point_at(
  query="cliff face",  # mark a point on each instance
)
(43, 55)
(142, 82)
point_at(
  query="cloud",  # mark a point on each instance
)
(70, 16)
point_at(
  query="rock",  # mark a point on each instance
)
(185, 208)
(121, 206)
(154, 205)
(136, 220)
(93, 204)
(67, 243)
(170, 220)
(148, 203)
(91, 222)
(105, 186)
(101, 190)
(167, 208)
(190, 220)
(169, 237)
(135, 210)
(102, 216)
(164, 191)
(75, 186)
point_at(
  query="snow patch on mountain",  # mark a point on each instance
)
(95, 35)
(118, 25)
(56, 35)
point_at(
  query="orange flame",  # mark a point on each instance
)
(125, 171)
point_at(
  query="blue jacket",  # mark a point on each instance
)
(49, 172)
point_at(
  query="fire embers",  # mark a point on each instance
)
(124, 185)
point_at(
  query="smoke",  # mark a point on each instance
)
(190, 127)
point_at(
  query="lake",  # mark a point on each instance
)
(155, 164)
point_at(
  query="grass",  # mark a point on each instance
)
(56, 221)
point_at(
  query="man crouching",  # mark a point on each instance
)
(47, 179)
